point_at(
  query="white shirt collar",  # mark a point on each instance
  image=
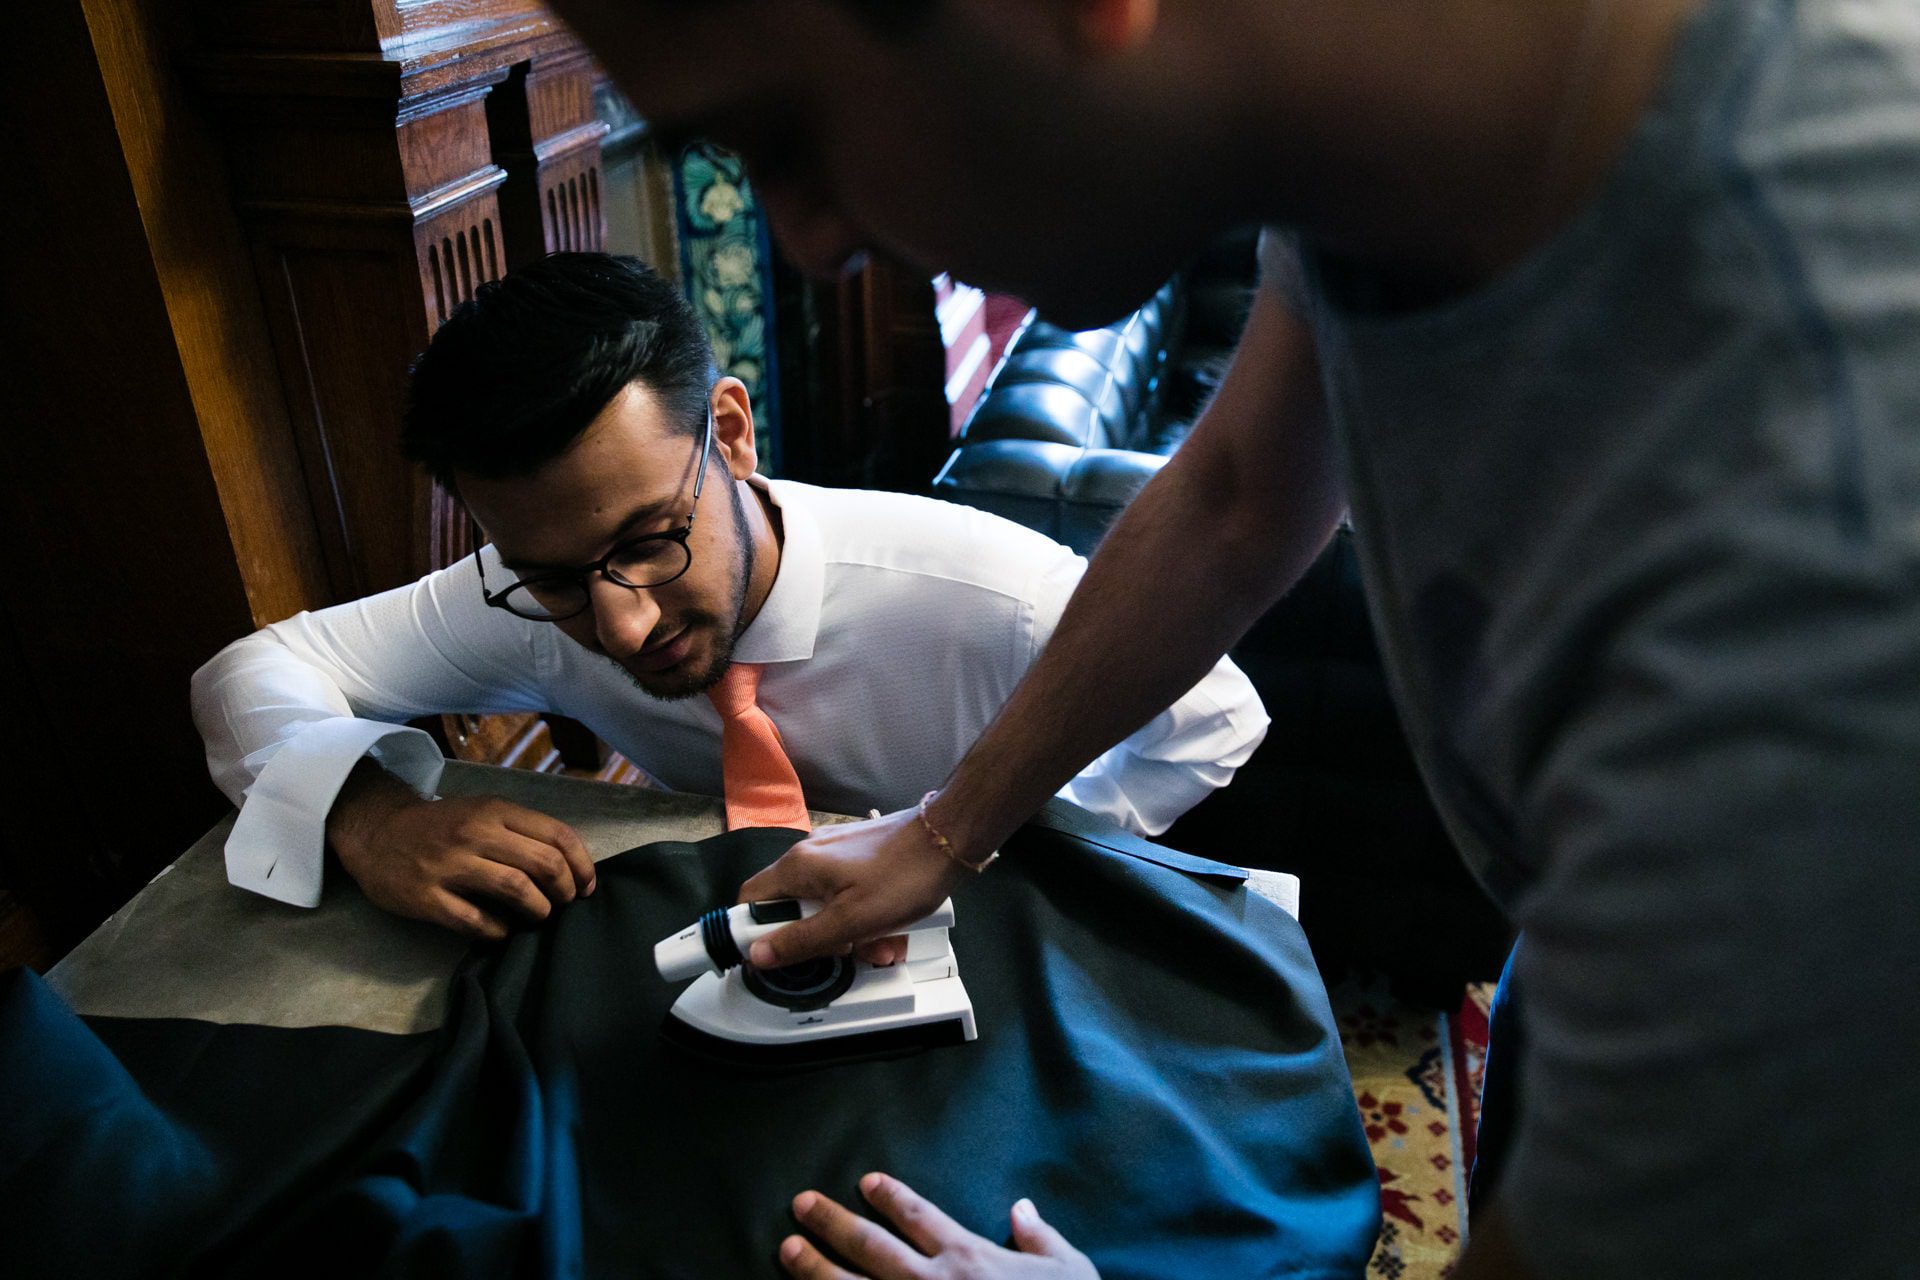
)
(789, 620)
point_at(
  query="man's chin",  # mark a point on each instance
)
(686, 679)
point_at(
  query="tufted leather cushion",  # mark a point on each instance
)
(1069, 493)
(1098, 388)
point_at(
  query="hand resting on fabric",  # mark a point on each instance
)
(474, 864)
(935, 1245)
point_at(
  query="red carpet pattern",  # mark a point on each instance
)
(1416, 1079)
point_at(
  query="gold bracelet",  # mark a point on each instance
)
(945, 845)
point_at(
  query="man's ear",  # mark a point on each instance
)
(1114, 26)
(733, 441)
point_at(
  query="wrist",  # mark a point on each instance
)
(945, 828)
(366, 800)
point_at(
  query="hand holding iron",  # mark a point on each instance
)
(873, 878)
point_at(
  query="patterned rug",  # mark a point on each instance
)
(1416, 1078)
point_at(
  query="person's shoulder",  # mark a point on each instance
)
(908, 534)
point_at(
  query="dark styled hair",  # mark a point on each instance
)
(514, 376)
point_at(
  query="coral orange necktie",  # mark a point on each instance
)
(762, 788)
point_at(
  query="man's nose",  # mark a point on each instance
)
(623, 617)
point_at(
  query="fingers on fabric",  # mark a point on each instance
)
(557, 835)
(444, 907)
(489, 829)
(807, 1263)
(867, 1245)
(540, 863)
(499, 883)
(1032, 1234)
(920, 1220)
(939, 1245)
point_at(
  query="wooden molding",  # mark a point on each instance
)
(547, 134)
(367, 176)
(390, 158)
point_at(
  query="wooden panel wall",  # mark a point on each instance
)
(383, 174)
(547, 136)
(870, 410)
(232, 225)
(192, 231)
(370, 217)
(121, 577)
(637, 187)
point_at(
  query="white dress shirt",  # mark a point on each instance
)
(895, 629)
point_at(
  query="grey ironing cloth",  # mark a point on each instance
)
(190, 945)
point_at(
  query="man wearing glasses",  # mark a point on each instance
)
(635, 557)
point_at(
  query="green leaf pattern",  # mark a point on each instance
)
(721, 245)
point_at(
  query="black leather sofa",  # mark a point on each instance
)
(1073, 424)
(1071, 427)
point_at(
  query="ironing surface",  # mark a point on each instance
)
(1157, 1068)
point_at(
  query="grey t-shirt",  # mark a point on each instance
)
(1641, 526)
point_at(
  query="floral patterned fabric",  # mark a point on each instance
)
(1416, 1080)
(726, 266)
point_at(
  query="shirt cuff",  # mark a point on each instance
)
(278, 846)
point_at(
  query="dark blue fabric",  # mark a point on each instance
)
(1163, 1079)
(1069, 819)
(168, 1146)
(1499, 1089)
(473, 1180)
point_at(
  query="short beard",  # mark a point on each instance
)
(682, 686)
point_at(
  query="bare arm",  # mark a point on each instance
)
(1229, 524)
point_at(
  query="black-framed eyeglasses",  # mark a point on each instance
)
(650, 560)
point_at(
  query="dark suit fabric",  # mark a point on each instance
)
(1156, 1067)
